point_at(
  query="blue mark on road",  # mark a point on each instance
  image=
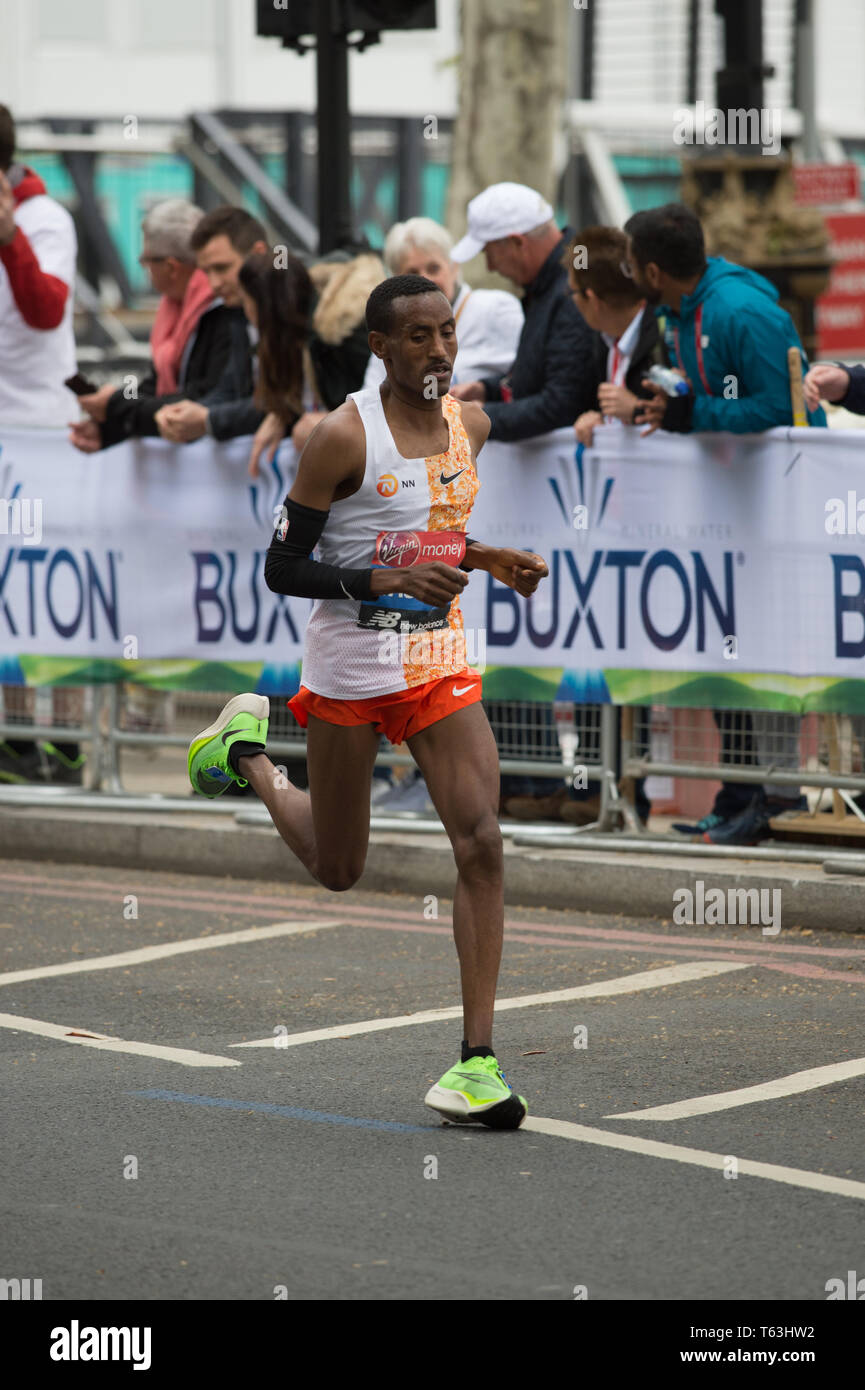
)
(291, 1112)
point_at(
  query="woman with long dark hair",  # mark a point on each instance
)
(278, 301)
(336, 346)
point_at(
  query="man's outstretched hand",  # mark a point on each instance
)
(825, 381)
(519, 569)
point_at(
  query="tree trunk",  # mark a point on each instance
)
(511, 89)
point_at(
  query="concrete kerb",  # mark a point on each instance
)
(603, 881)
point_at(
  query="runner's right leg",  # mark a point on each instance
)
(328, 826)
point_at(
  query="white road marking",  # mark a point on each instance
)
(623, 984)
(166, 948)
(105, 1044)
(767, 1090)
(702, 1158)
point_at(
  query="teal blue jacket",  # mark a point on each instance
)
(745, 335)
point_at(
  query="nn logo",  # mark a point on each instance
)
(20, 1289)
(854, 1289)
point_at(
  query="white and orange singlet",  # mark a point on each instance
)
(406, 511)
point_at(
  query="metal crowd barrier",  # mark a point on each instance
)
(525, 733)
(760, 747)
(822, 754)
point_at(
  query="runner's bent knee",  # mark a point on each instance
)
(478, 851)
(340, 874)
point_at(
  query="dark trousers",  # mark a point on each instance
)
(737, 746)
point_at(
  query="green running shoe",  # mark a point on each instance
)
(59, 767)
(476, 1092)
(243, 720)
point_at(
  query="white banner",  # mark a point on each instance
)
(705, 553)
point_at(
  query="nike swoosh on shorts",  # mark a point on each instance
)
(455, 690)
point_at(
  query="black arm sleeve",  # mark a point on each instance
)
(289, 570)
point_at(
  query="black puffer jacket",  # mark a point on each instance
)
(855, 398)
(552, 379)
(339, 345)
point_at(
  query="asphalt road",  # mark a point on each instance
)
(220, 1172)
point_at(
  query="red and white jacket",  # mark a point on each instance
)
(37, 280)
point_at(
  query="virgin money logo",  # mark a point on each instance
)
(398, 548)
(402, 548)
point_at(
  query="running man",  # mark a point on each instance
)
(385, 482)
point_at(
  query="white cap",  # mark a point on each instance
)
(503, 209)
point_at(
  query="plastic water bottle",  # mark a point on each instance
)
(564, 714)
(668, 380)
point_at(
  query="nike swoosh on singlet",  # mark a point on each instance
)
(465, 689)
(444, 481)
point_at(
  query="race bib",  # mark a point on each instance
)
(401, 550)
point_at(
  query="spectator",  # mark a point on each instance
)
(339, 346)
(726, 332)
(831, 381)
(221, 241)
(191, 339)
(625, 337)
(38, 250)
(278, 304)
(626, 343)
(549, 384)
(488, 322)
(338, 349)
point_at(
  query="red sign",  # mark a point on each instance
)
(400, 549)
(825, 185)
(846, 237)
(841, 310)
